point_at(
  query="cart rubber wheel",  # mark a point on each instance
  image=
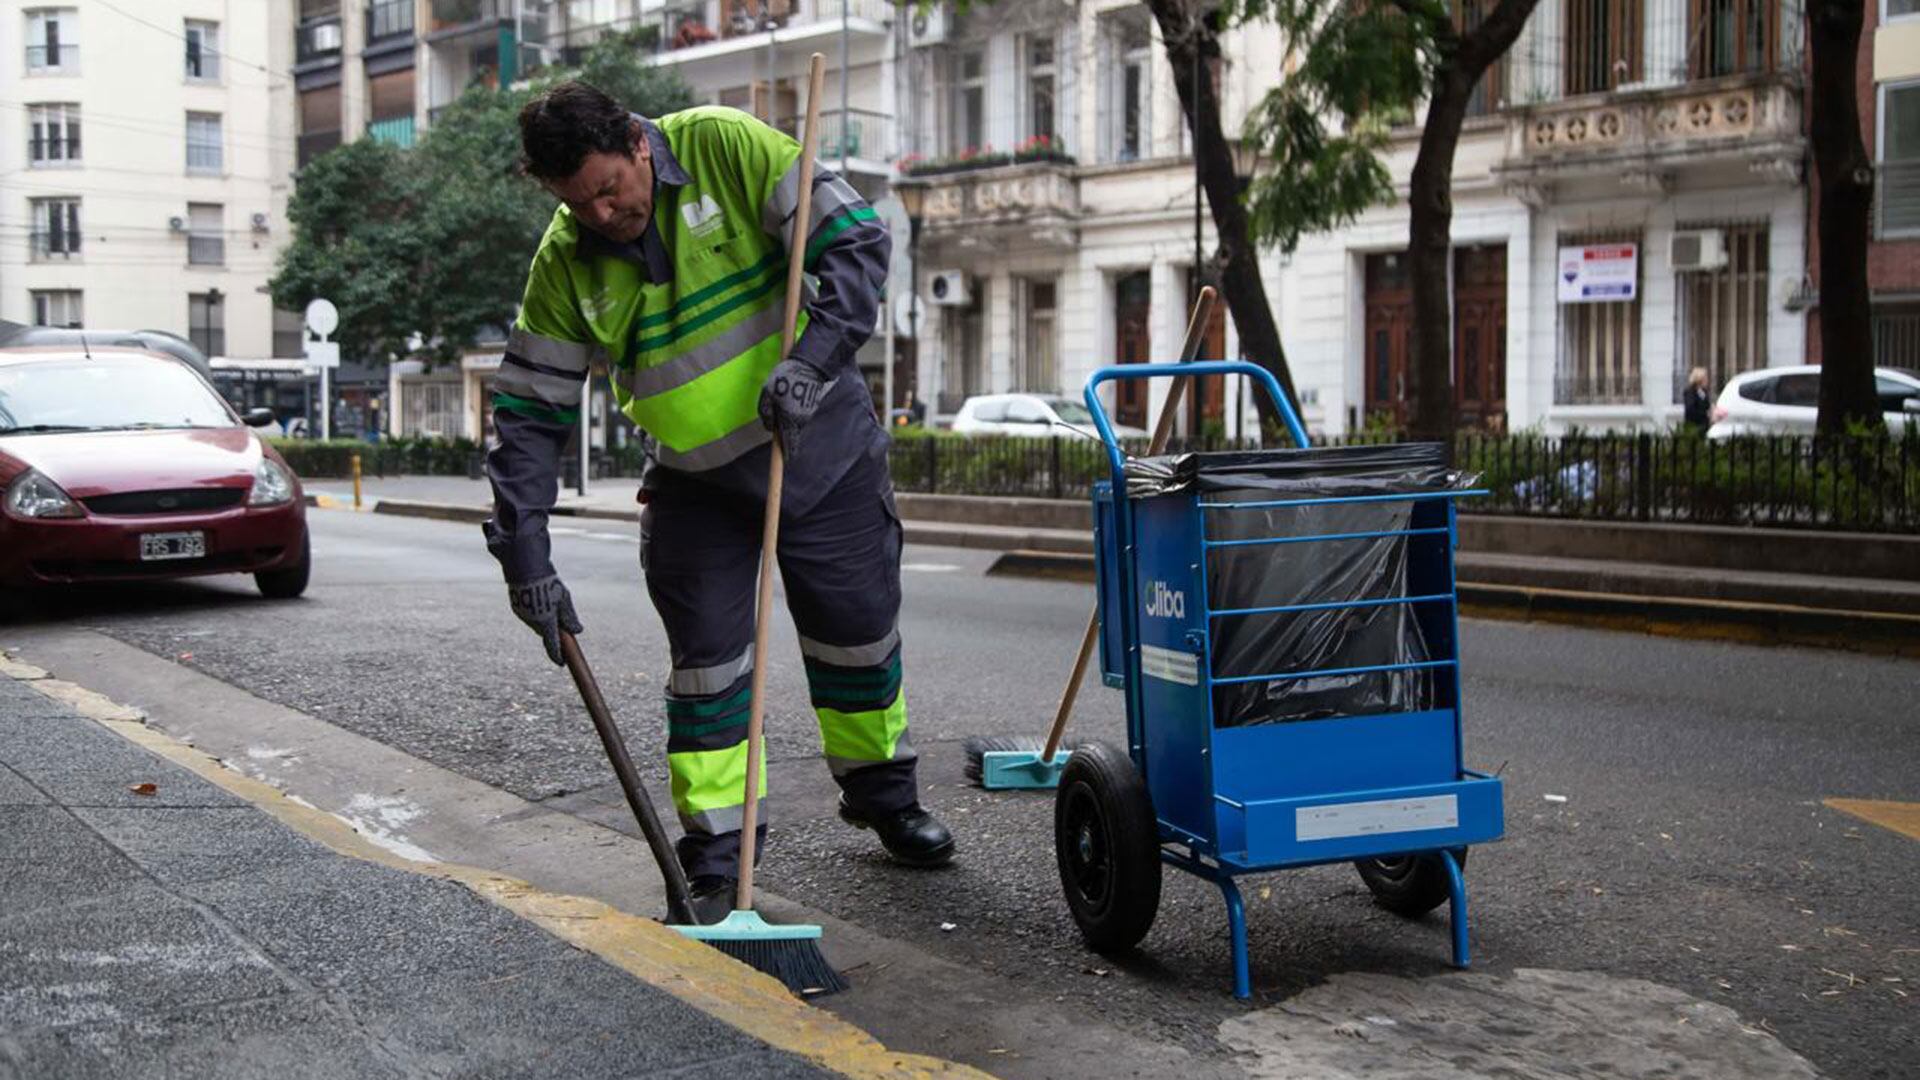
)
(1409, 885)
(1107, 843)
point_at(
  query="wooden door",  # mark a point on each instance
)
(1389, 333)
(1132, 300)
(1480, 336)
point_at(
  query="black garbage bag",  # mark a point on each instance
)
(1318, 572)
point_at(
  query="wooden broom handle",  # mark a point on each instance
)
(776, 477)
(1162, 431)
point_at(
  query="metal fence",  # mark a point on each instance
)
(1864, 483)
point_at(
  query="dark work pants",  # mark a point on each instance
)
(840, 564)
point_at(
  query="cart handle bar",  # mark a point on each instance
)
(1198, 368)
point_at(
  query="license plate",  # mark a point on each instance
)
(173, 545)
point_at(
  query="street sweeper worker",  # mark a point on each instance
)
(666, 260)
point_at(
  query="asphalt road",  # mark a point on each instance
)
(1691, 850)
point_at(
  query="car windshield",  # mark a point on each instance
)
(106, 394)
(1070, 411)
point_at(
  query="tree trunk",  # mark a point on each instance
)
(1846, 201)
(1187, 35)
(1463, 60)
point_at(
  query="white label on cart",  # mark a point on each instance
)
(1169, 664)
(1371, 818)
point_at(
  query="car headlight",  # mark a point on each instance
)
(32, 495)
(272, 484)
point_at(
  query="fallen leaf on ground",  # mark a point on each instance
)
(144, 789)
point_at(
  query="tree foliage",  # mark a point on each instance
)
(423, 249)
(1357, 69)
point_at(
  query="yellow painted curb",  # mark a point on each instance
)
(1900, 817)
(699, 975)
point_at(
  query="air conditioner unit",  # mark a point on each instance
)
(929, 26)
(948, 288)
(176, 224)
(1698, 249)
(326, 37)
(259, 222)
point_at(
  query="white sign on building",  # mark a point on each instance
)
(1599, 273)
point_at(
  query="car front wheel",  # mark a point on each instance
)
(290, 580)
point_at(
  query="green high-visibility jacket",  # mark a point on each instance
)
(687, 319)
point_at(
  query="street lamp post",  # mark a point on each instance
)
(912, 198)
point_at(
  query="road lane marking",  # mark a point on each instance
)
(696, 974)
(929, 568)
(1901, 817)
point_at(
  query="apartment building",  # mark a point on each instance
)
(1057, 193)
(145, 167)
(1629, 203)
(1889, 80)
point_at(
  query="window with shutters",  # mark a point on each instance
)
(1042, 89)
(203, 50)
(53, 135)
(56, 307)
(1897, 185)
(1127, 85)
(206, 325)
(969, 104)
(1039, 349)
(1723, 312)
(206, 234)
(52, 47)
(1602, 47)
(204, 155)
(1599, 357)
(56, 228)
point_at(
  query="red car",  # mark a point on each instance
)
(122, 464)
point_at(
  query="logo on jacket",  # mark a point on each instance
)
(703, 217)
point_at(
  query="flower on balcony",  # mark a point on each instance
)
(1042, 148)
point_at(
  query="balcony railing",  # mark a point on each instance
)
(1573, 48)
(54, 245)
(394, 131)
(314, 143)
(686, 24)
(864, 134)
(389, 18)
(317, 39)
(52, 57)
(1635, 88)
(453, 14)
(1037, 201)
(206, 250)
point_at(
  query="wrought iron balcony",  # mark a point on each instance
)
(1639, 88)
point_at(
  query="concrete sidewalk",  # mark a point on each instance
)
(155, 923)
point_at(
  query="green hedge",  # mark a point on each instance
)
(1856, 482)
(333, 458)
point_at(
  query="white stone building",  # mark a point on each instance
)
(1668, 125)
(1052, 268)
(146, 155)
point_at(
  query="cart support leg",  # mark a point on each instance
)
(1457, 908)
(1237, 929)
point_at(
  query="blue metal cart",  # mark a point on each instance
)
(1218, 795)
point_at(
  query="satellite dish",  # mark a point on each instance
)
(322, 317)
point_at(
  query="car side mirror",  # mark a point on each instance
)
(258, 416)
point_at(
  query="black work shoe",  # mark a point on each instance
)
(912, 836)
(713, 898)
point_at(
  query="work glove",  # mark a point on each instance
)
(792, 395)
(545, 605)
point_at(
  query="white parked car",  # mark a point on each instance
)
(1030, 414)
(1785, 401)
